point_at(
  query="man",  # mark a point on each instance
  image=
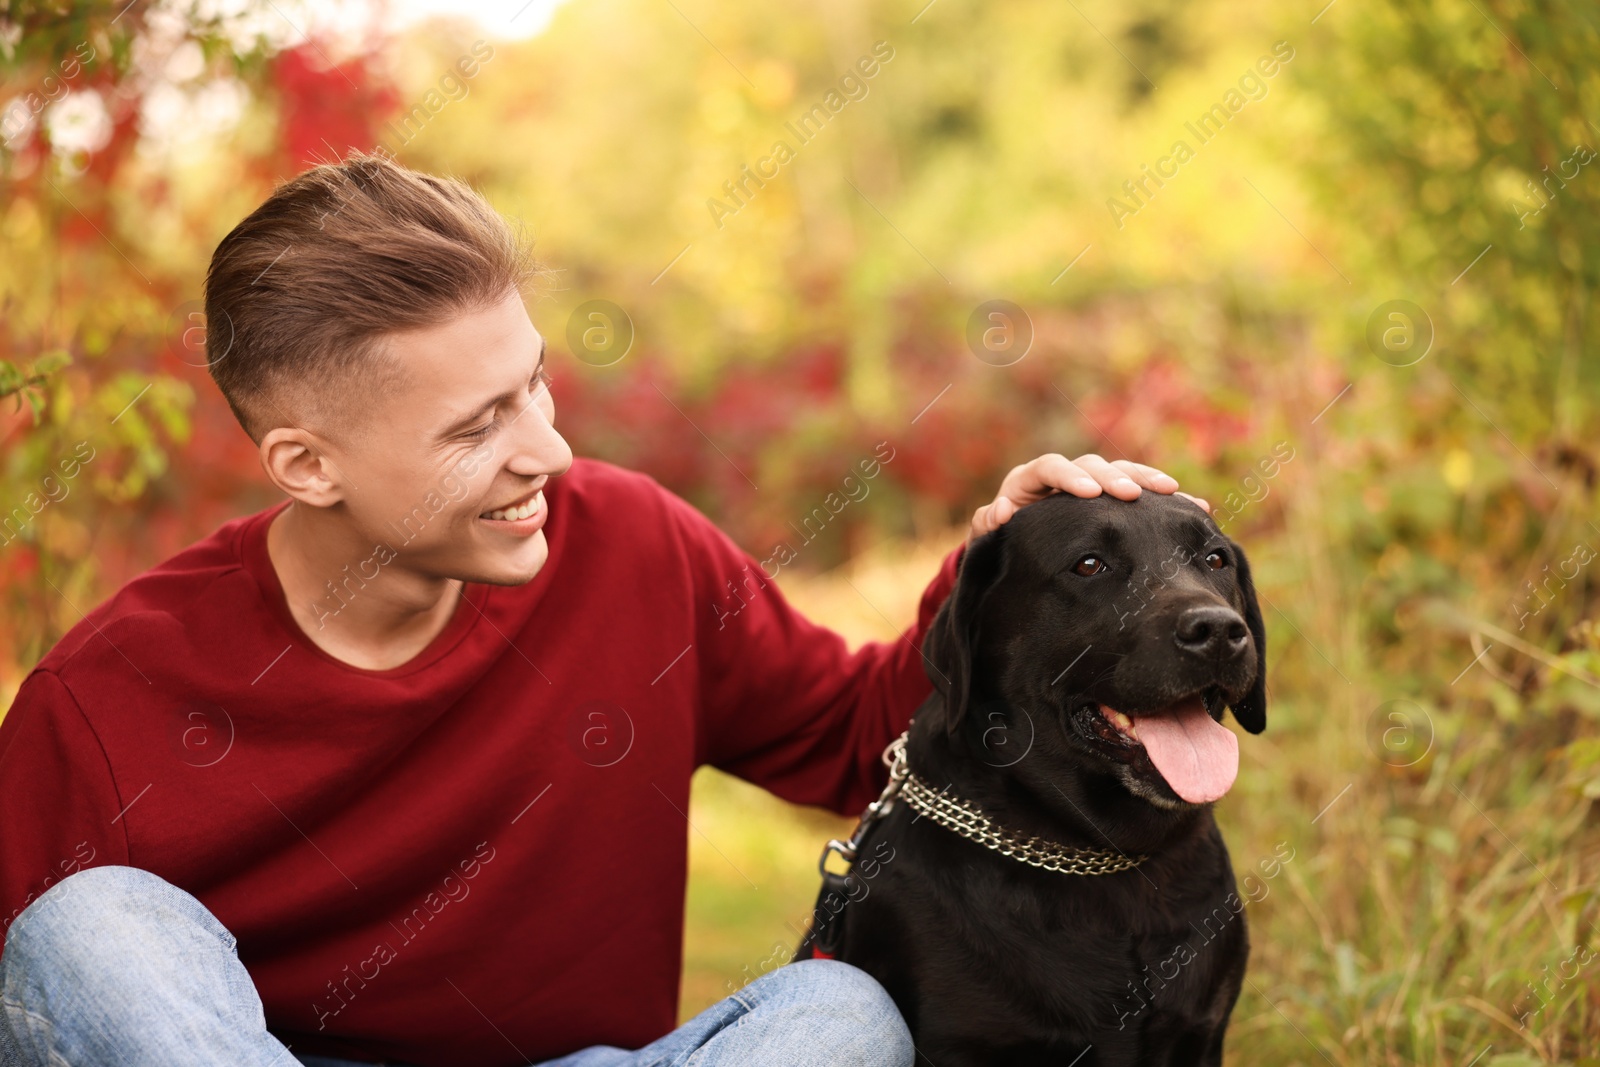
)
(397, 769)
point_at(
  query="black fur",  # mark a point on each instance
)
(994, 962)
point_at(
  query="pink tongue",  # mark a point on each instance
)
(1198, 756)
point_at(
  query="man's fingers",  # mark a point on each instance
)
(1197, 500)
(1054, 471)
(1111, 477)
(1147, 476)
(1087, 476)
(991, 516)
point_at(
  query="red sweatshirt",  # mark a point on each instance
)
(475, 858)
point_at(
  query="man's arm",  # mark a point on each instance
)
(59, 804)
(783, 702)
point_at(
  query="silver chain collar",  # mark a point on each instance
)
(970, 822)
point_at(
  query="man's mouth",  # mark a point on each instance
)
(1184, 742)
(517, 510)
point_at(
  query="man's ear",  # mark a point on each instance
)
(1250, 711)
(948, 648)
(296, 462)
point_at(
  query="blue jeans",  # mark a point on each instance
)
(116, 967)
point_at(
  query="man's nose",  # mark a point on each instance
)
(537, 445)
(1212, 632)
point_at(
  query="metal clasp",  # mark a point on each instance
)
(894, 757)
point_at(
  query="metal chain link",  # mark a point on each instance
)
(968, 821)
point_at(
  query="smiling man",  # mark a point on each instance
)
(397, 770)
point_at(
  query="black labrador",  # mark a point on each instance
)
(1081, 668)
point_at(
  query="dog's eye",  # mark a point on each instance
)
(1089, 565)
(1217, 560)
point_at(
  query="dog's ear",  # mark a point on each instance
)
(948, 648)
(1251, 710)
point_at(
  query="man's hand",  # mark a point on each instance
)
(1086, 476)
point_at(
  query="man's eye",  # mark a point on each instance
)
(1089, 565)
(540, 376)
(1217, 560)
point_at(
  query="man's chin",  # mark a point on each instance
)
(517, 565)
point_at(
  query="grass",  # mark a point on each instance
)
(1441, 890)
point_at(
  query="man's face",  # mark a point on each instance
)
(469, 434)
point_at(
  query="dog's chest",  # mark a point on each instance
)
(973, 935)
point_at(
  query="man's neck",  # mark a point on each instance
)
(374, 624)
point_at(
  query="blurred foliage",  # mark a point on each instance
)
(1433, 508)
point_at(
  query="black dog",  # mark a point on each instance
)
(1080, 668)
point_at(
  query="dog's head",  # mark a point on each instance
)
(1119, 630)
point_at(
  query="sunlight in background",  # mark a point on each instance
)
(508, 19)
(504, 19)
(176, 115)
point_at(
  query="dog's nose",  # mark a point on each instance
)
(1212, 632)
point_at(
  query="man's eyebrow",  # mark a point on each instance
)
(465, 421)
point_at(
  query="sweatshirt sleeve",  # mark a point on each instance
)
(783, 702)
(59, 804)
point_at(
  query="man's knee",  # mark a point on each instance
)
(100, 929)
(118, 965)
(104, 913)
(837, 990)
(87, 963)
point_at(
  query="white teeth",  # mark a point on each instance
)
(1122, 722)
(517, 514)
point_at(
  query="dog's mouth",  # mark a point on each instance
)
(1184, 743)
